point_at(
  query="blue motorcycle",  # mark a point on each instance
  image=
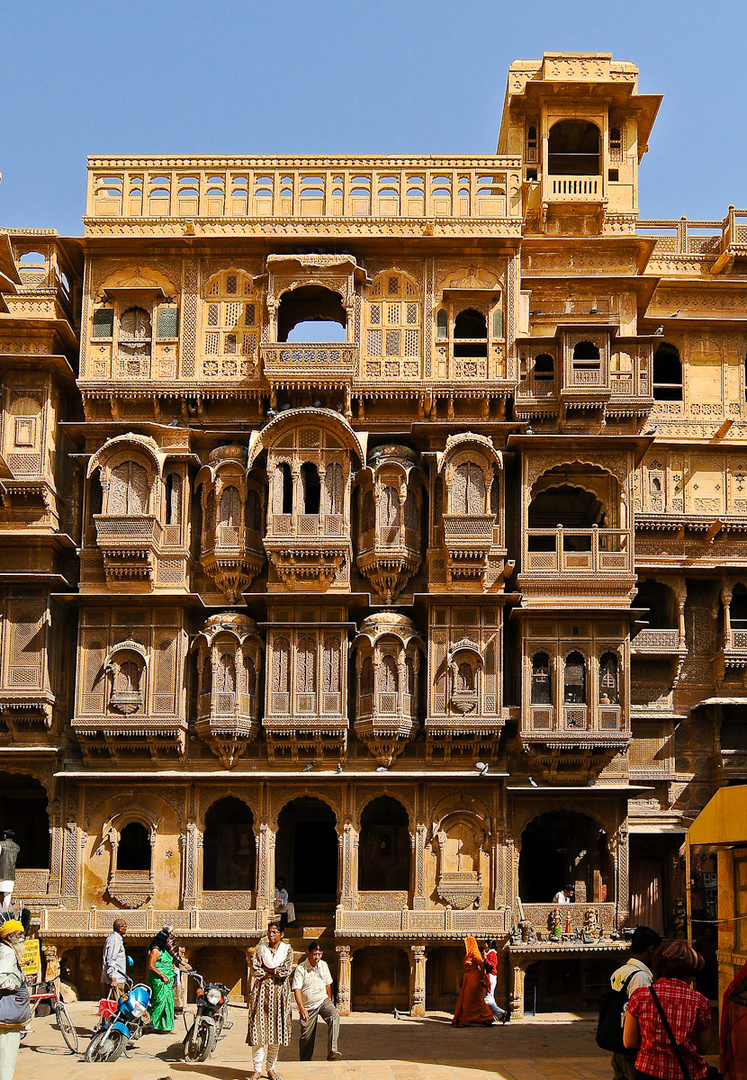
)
(123, 1027)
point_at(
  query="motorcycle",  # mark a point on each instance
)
(123, 1026)
(210, 1019)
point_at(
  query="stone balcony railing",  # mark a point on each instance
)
(560, 550)
(574, 721)
(31, 883)
(404, 922)
(574, 188)
(575, 914)
(303, 188)
(658, 642)
(145, 921)
(125, 532)
(310, 363)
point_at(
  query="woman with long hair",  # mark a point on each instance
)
(163, 965)
(688, 1016)
(470, 1006)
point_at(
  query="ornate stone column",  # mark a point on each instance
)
(518, 971)
(265, 873)
(349, 881)
(344, 972)
(191, 841)
(71, 856)
(419, 897)
(417, 980)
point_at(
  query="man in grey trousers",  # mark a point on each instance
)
(312, 987)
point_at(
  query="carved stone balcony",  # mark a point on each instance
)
(468, 539)
(315, 364)
(443, 922)
(658, 642)
(26, 710)
(386, 721)
(130, 546)
(569, 564)
(567, 739)
(234, 559)
(733, 651)
(595, 917)
(131, 888)
(143, 922)
(576, 189)
(160, 737)
(389, 556)
(308, 551)
(227, 721)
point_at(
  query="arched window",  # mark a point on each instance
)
(231, 324)
(226, 674)
(230, 507)
(368, 516)
(311, 488)
(410, 672)
(388, 676)
(573, 149)
(541, 691)
(390, 507)
(206, 682)
(544, 368)
(468, 492)
(608, 688)
(442, 323)
(574, 680)
(172, 495)
(667, 373)
(306, 666)
(334, 488)
(129, 490)
(331, 673)
(586, 360)
(133, 849)
(300, 310)
(134, 343)
(210, 512)
(281, 666)
(282, 492)
(470, 334)
(393, 317)
(366, 677)
(250, 675)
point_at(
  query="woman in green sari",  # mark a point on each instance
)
(162, 967)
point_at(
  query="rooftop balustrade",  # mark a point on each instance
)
(323, 187)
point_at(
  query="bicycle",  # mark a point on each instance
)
(56, 1004)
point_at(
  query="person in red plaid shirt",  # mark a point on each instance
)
(687, 1011)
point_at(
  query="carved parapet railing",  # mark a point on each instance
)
(468, 539)
(560, 551)
(312, 188)
(31, 883)
(577, 915)
(131, 888)
(143, 922)
(658, 642)
(438, 923)
(389, 556)
(733, 652)
(580, 722)
(164, 736)
(308, 551)
(311, 363)
(130, 546)
(383, 900)
(573, 188)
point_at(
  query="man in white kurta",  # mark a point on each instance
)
(11, 978)
(312, 987)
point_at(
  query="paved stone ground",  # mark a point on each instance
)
(551, 1046)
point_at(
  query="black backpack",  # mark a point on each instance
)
(611, 1018)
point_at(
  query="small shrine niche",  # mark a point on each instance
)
(387, 664)
(390, 515)
(232, 515)
(229, 661)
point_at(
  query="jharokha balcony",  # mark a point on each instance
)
(130, 545)
(568, 563)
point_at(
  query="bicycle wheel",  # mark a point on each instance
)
(66, 1026)
(106, 1046)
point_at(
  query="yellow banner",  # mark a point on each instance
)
(30, 961)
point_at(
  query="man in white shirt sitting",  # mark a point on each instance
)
(312, 987)
(564, 895)
(284, 907)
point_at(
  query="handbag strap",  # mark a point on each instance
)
(669, 1032)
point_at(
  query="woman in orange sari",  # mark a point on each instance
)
(470, 1006)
